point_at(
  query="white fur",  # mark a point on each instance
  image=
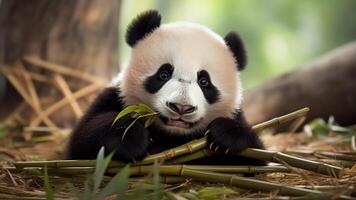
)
(189, 48)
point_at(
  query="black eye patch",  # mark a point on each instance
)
(211, 93)
(157, 80)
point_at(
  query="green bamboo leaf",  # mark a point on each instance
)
(146, 108)
(117, 185)
(124, 112)
(47, 186)
(100, 168)
(128, 127)
(149, 121)
(211, 193)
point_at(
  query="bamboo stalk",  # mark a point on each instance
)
(336, 156)
(145, 169)
(343, 163)
(189, 147)
(281, 120)
(141, 170)
(63, 163)
(189, 157)
(254, 184)
(293, 161)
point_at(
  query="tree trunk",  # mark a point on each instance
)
(327, 86)
(81, 34)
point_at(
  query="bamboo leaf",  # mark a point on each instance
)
(124, 112)
(100, 168)
(149, 121)
(117, 185)
(47, 186)
(146, 108)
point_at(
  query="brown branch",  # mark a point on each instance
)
(78, 94)
(69, 71)
(64, 88)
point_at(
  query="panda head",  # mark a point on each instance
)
(186, 72)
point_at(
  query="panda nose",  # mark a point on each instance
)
(181, 109)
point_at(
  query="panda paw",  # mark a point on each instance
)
(229, 136)
(131, 147)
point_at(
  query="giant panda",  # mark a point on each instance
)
(187, 73)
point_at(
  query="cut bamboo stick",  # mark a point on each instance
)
(293, 161)
(281, 120)
(142, 170)
(254, 184)
(336, 156)
(145, 169)
(63, 163)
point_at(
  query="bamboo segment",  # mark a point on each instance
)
(189, 147)
(281, 120)
(168, 169)
(293, 161)
(164, 169)
(249, 183)
(63, 163)
(189, 157)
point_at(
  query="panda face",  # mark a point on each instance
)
(185, 72)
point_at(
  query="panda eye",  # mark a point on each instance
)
(164, 76)
(203, 82)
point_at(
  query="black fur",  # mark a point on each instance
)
(142, 25)
(155, 82)
(211, 93)
(96, 130)
(234, 42)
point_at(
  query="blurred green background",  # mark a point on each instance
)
(280, 35)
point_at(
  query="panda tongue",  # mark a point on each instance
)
(178, 123)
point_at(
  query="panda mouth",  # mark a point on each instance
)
(177, 122)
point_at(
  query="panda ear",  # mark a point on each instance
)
(234, 42)
(142, 25)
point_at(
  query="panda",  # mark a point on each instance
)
(187, 73)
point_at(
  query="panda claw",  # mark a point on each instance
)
(216, 148)
(206, 133)
(211, 145)
(227, 151)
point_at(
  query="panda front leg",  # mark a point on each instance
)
(99, 132)
(230, 136)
